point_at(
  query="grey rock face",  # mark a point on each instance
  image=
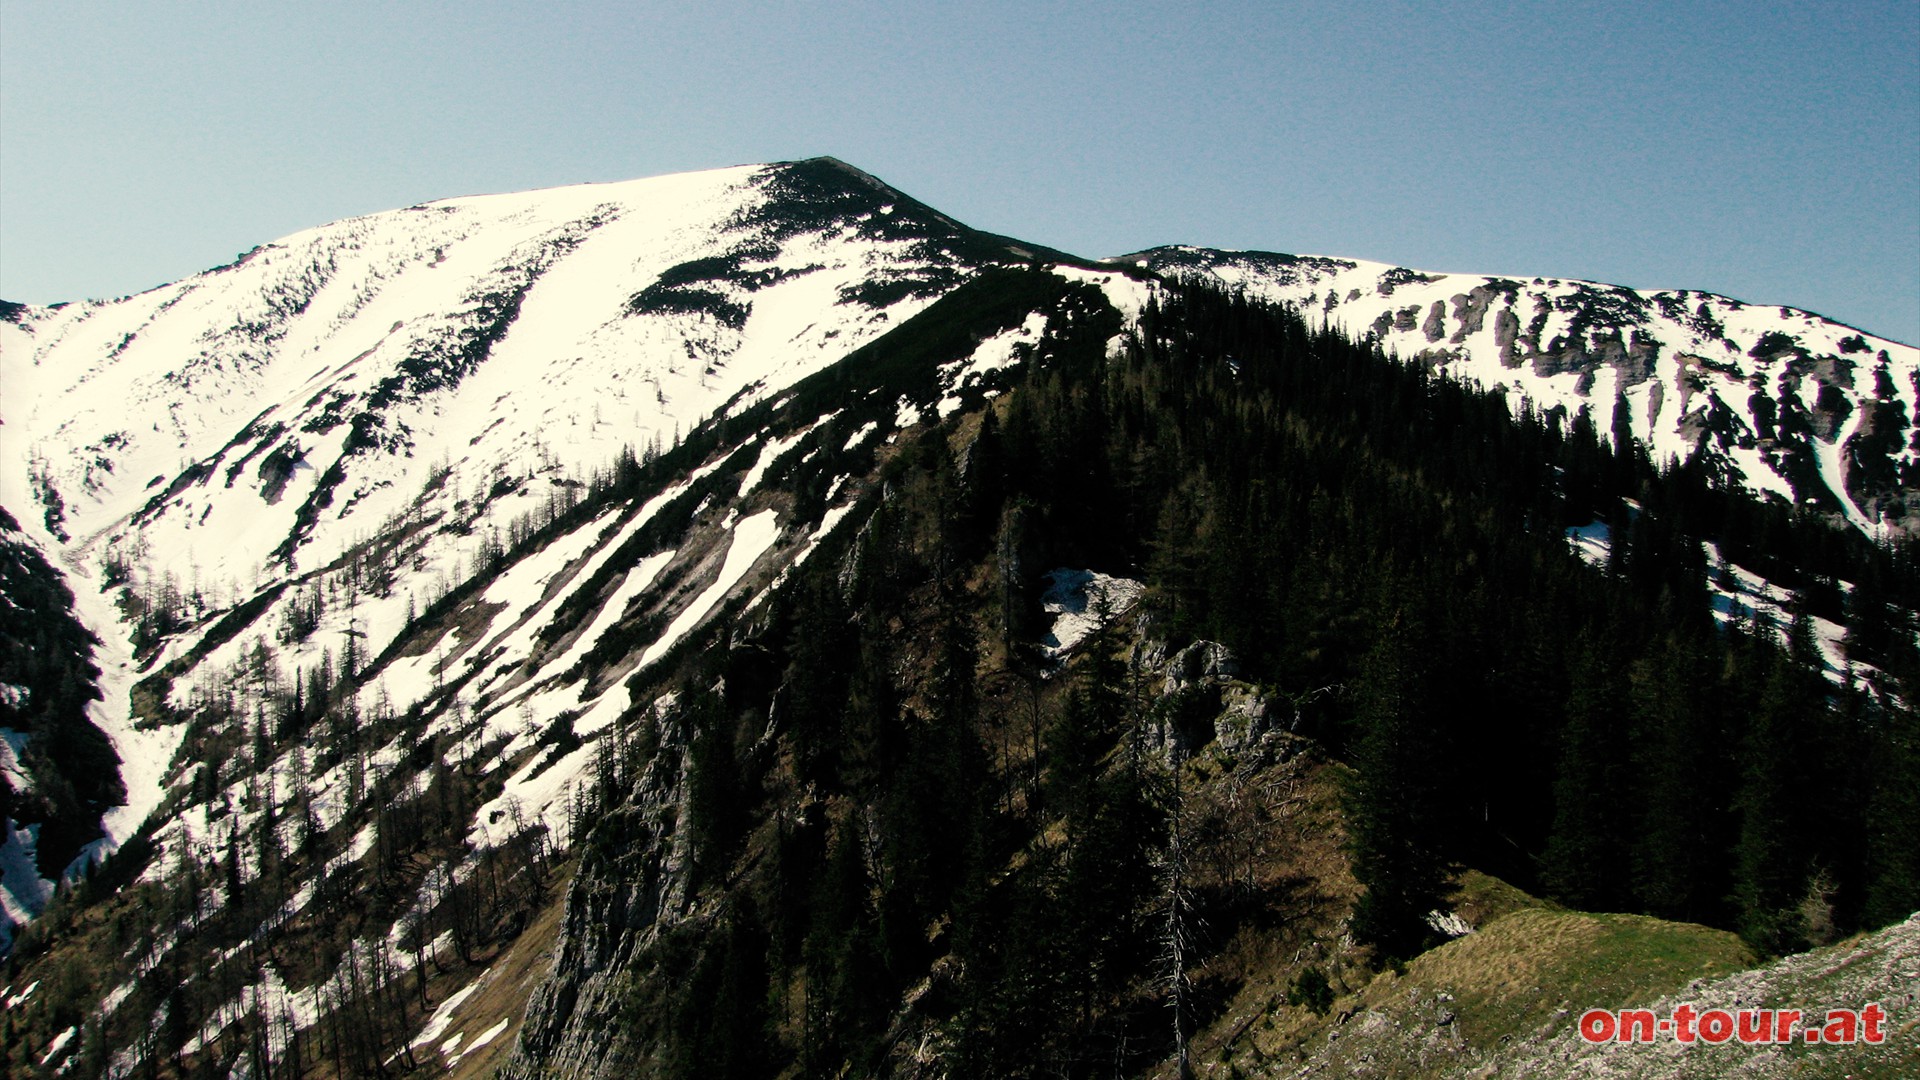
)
(1202, 661)
(632, 883)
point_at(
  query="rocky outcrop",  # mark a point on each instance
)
(1200, 703)
(632, 883)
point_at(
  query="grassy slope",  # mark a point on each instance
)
(1524, 973)
(1883, 966)
(504, 993)
(1503, 1001)
(1527, 971)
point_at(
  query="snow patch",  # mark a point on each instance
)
(23, 892)
(58, 1044)
(1002, 350)
(1082, 602)
(768, 455)
(861, 434)
(12, 745)
(751, 539)
(1592, 541)
(475, 1043)
(1737, 595)
(442, 1016)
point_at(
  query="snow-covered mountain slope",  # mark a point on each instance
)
(263, 474)
(270, 409)
(1781, 400)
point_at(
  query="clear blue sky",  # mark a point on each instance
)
(1767, 151)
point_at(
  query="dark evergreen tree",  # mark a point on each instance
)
(1393, 805)
(1770, 858)
(1680, 846)
(1585, 861)
(1892, 815)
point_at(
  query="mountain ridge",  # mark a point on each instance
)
(1740, 374)
(1149, 252)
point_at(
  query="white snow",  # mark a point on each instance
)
(12, 745)
(1363, 293)
(1592, 541)
(1083, 601)
(106, 397)
(115, 403)
(751, 538)
(144, 755)
(1000, 351)
(443, 1015)
(631, 587)
(540, 799)
(1737, 594)
(476, 1042)
(1128, 295)
(23, 892)
(512, 646)
(862, 433)
(58, 1044)
(769, 453)
(1829, 455)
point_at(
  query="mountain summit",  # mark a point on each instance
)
(245, 416)
(300, 372)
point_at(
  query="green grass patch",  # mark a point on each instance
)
(1519, 972)
(1481, 898)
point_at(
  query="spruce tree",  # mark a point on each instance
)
(1678, 847)
(1893, 819)
(1770, 860)
(1585, 859)
(1393, 804)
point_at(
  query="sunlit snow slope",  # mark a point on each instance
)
(391, 528)
(269, 409)
(287, 457)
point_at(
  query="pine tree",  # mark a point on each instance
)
(1393, 804)
(1585, 859)
(1770, 860)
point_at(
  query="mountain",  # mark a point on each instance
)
(717, 621)
(451, 371)
(309, 373)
